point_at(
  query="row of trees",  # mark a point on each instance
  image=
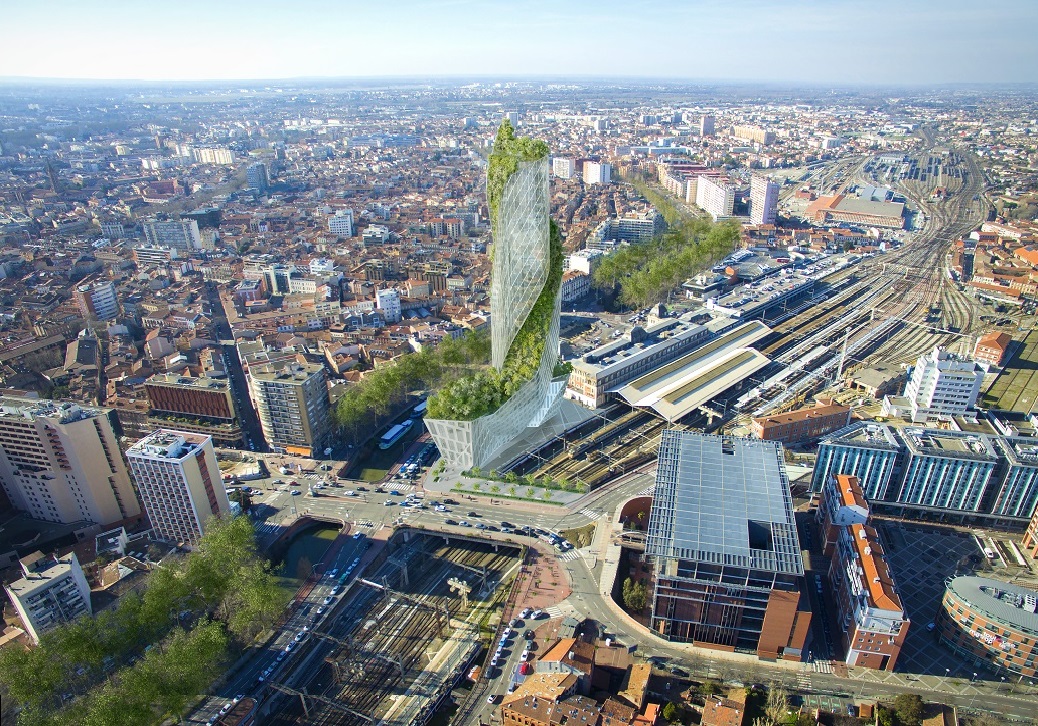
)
(649, 273)
(224, 587)
(365, 404)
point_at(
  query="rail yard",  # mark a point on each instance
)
(403, 636)
(889, 308)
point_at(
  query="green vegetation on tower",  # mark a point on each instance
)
(485, 391)
(504, 161)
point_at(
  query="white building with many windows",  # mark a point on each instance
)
(341, 223)
(53, 591)
(943, 384)
(764, 194)
(597, 173)
(179, 481)
(716, 197)
(60, 462)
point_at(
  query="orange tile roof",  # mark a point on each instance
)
(850, 491)
(995, 339)
(878, 581)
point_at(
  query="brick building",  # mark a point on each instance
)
(797, 427)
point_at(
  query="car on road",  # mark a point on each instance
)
(334, 572)
(296, 492)
(238, 698)
(289, 647)
(450, 521)
(388, 503)
(525, 614)
(299, 636)
(480, 525)
(463, 523)
(492, 698)
(440, 508)
(358, 535)
(328, 601)
(320, 609)
(680, 672)
(450, 501)
(473, 514)
(507, 524)
(528, 635)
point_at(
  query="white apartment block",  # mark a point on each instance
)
(97, 300)
(563, 167)
(181, 234)
(60, 462)
(388, 301)
(597, 173)
(52, 591)
(341, 223)
(292, 402)
(943, 384)
(179, 481)
(716, 197)
(212, 155)
(764, 195)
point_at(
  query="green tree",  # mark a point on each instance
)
(672, 711)
(634, 595)
(909, 709)
(885, 716)
(547, 494)
(512, 490)
(495, 488)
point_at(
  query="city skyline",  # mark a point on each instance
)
(804, 41)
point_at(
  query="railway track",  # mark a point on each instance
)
(386, 630)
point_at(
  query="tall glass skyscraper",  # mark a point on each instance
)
(525, 304)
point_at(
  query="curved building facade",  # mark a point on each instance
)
(522, 258)
(993, 624)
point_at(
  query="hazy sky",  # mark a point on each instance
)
(824, 41)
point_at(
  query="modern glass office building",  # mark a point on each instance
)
(727, 564)
(935, 470)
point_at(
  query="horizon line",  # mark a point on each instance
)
(529, 77)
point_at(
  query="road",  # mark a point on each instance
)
(250, 424)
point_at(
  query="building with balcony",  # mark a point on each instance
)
(51, 591)
(292, 402)
(180, 234)
(179, 481)
(97, 300)
(198, 405)
(764, 194)
(727, 565)
(870, 612)
(942, 384)
(715, 196)
(60, 462)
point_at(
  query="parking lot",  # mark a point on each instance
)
(922, 558)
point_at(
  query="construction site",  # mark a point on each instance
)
(403, 636)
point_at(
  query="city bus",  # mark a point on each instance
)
(395, 434)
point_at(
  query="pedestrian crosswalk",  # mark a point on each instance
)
(822, 666)
(647, 491)
(591, 513)
(568, 555)
(803, 681)
(398, 486)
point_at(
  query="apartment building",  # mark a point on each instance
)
(199, 405)
(179, 234)
(597, 173)
(51, 591)
(60, 462)
(715, 196)
(942, 384)
(341, 223)
(179, 481)
(292, 402)
(991, 622)
(764, 194)
(97, 300)
(872, 618)
(256, 177)
(563, 167)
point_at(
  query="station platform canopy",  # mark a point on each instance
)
(676, 389)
